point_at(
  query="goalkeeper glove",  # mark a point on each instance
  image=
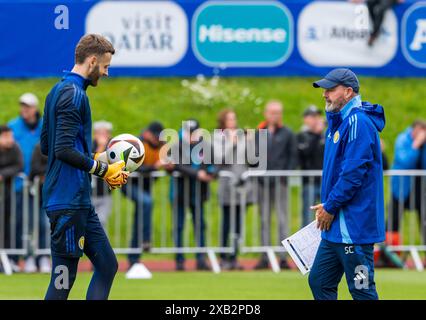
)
(113, 174)
(101, 156)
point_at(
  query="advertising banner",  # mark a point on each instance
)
(226, 37)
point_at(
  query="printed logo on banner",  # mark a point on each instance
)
(242, 33)
(144, 34)
(413, 32)
(336, 33)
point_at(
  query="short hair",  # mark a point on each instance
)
(221, 118)
(92, 44)
(4, 128)
(419, 123)
(274, 102)
(102, 124)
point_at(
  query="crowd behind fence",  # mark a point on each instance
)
(264, 208)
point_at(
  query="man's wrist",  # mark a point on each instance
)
(94, 165)
(329, 208)
(99, 168)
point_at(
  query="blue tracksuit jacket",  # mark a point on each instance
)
(352, 186)
(66, 139)
(27, 140)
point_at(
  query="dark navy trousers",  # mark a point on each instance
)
(335, 259)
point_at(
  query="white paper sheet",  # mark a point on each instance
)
(303, 245)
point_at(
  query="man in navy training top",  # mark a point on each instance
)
(66, 139)
(351, 215)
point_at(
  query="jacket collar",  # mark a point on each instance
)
(334, 119)
(264, 125)
(355, 102)
(77, 79)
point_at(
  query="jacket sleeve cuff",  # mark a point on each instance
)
(330, 208)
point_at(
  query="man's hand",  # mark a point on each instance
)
(113, 174)
(168, 166)
(115, 177)
(324, 219)
(419, 140)
(158, 165)
(202, 175)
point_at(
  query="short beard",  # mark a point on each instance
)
(334, 106)
(94, 76)
(331, 107)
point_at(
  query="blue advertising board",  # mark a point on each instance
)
(232, 38)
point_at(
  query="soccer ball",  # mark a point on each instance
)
(128, 148)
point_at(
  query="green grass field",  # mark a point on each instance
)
(208, 286)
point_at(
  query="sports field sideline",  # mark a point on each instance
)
(391, 284)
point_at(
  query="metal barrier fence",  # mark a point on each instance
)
(291, 192)
(186, 218)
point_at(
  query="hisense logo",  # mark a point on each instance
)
(242, 33)
(218, 33)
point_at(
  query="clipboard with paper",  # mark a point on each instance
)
(303, 246)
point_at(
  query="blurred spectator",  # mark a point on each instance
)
(38, 171)
(190, 189)
(26, 131)
(377, 10)
(27, 127)
(11, 163)
(282, 155)
(410, 153)
(231, 144)
(140, 190)
(101, 195)
(310, 145)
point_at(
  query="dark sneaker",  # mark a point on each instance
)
(146, 246)
(180, 266)
(235, 265)
(226, 265)
(262, 264)
(202, 266)
(284, 264)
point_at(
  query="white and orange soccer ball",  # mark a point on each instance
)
(128, 148)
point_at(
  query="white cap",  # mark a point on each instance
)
(29, 99)
(102, 124)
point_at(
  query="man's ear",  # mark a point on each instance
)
(92, 61)
(349, 93)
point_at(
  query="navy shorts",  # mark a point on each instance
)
(69, 230)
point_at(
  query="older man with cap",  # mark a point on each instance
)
(351, 215)
(26, 131)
